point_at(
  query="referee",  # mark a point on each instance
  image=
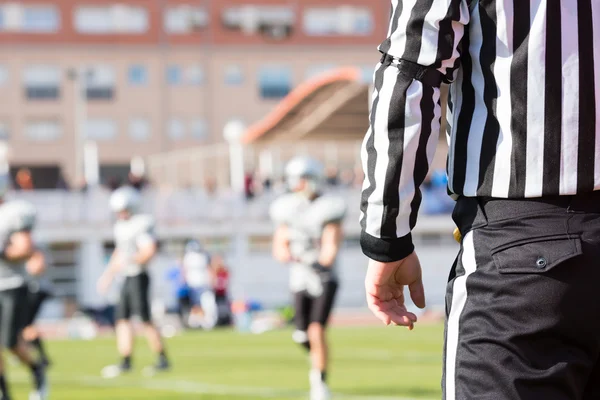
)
(524, 167)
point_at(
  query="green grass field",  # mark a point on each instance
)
(368, 363)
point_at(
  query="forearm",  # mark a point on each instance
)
(328, 255)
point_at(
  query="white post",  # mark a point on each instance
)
(80, 118)
(266, 164)
(91, 164)
(233, 132)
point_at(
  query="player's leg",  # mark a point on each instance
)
(123, 332)
(141, 307)
(31, 333)
(14, 314)
(302, 307)
(320, 312)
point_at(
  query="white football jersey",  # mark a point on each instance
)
(15, 216)
(196, 265)
(130, 235)
(305, 220)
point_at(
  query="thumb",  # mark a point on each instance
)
(417, 293)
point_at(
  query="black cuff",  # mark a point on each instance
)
(386, 250)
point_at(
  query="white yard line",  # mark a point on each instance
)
(190, 387)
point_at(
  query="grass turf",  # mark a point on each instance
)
(367, 363)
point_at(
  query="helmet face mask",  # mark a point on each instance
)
(125, 202)
(304, 175)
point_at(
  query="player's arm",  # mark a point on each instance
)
(281, 245)
(36, 265)
(147, 248)
(423, 50)
(331, 240)
(113, 268)
(20, 246)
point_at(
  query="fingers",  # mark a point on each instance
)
(417, 293)
(391, 312)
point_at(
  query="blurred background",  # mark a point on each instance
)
(199, 103)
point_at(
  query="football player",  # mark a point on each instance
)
(308, 237)
(197, 275)
(135, 246)
(17, 219)
(39, 290)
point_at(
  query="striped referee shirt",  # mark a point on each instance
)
(522, 113)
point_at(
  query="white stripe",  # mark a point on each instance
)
(570, 100)
(399, 36)
(394, 7)
(459, 299)
(502, 73)
(596, 23)
(413, 118)
(480, 113)
(434, 138)
(381, 143)
(536, 92)
(363, 152)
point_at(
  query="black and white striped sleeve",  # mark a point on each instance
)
(424, 42)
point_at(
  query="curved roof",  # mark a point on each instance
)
(313, 105)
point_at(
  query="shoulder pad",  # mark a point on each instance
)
(283, 207)
(145, 222)
(331, 209)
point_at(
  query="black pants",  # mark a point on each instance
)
(523, 301)
(134, 298)
(310, 309)
(13, 315)
(35, 299)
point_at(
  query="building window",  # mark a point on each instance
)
(176, 129)
(100, 83)
(138, 75)
(199, 129)
(42, 82)
(338, 21)
(43, 130)
(234, 76)
(275, 82)
(15, 17)
(113, 19)
(139, 129)
(3, 75)
(100, 129)
(319, 69)
(174, 75)
(4, 131)
(42, 19)
(195, 75)
(274, 22)
(185, 19)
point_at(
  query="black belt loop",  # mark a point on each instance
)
(428, 75)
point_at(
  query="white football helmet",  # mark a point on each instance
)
(306, 168)
(125, 199)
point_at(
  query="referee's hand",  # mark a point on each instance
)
(384, 285)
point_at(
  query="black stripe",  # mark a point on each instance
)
(445, 46)
(414, 30)
(587, 98)
(395, 17)
(370, 148)
(518, 95)
(421, 161)
(491, 131)
(463, 124)
(553, 106)
(396, 125)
